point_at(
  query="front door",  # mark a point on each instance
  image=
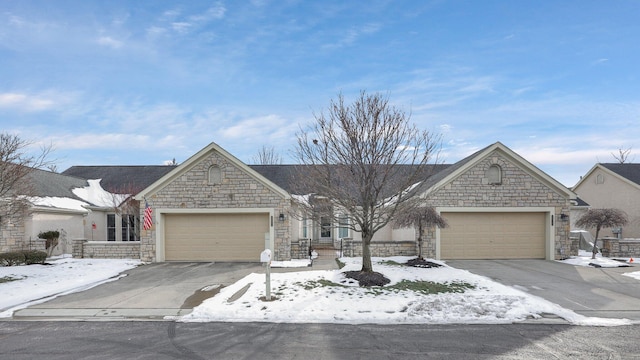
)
(325, 230)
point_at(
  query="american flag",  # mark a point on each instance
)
(148, 221)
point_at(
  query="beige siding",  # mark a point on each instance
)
(612, 192)
(215, 237)
(493, 236)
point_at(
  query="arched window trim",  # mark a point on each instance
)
(494, 175)
(214, 175)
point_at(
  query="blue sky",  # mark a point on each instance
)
(142, 82)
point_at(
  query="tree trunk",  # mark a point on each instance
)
(420, 241)
(595, 242)
(366, 253)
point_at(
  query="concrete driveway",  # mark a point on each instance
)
(150, 291)
(153, 291)
(594, 292)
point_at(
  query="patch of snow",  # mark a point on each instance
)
(64, 275)
(635, 275)
(58, 202)
(300, 297)
(96, 195)
(293, 263)
(584, 259)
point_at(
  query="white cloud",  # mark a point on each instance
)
(269, 126)
(181, 27)
(110, 42)
(353, 34)
(213, 13)
(26, 102)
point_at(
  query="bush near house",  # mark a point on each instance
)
(15, 258)
(34, 257)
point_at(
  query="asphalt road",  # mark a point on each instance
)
(170, 340)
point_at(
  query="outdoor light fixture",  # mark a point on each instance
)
(281, 217)
(564, 217)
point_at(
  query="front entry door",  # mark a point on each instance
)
(325, 230)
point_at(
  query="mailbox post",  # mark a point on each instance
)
(265, 257)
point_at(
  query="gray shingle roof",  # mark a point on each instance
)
(629, 171)
(47, 183)
(285, 175)
(122, 179)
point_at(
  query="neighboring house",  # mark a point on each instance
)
(614, 186)
(119, 220)
(55, 202)
(213, 207)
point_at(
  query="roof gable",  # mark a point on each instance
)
(457, 169)
(630, 172)
(627, 173)
(196, 159)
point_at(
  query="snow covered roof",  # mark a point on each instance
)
(63, 192)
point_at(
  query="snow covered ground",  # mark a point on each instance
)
(584, 259)
(305, 297)
(34, 284)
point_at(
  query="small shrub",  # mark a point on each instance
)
(12, 258)
(35, 257)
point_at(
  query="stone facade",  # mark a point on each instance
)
(12, 229)
(518, 189)
(106, 249)
(300, 249)
(234, 189)
(613, 247)
(351, 248)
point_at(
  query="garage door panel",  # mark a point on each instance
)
(493, 236)
(215, 237)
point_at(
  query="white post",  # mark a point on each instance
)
(268, 282)
(265, 257)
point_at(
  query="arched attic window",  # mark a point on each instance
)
(494, 175)
(215, 175)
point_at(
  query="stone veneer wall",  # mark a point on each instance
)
(351, 248)
(106, 249)
(12, 230)
(236, 190)
(613, 247)
(300, 249)
(518, 189)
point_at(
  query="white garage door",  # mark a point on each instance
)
(214, 237)
(493, 236)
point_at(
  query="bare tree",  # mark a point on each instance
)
(623, 156)
(422, 217)
(15, 166)
(361, 159)
(601, 218)
(267, 156)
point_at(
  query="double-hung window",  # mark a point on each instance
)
(111, 227)
(343, 226)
